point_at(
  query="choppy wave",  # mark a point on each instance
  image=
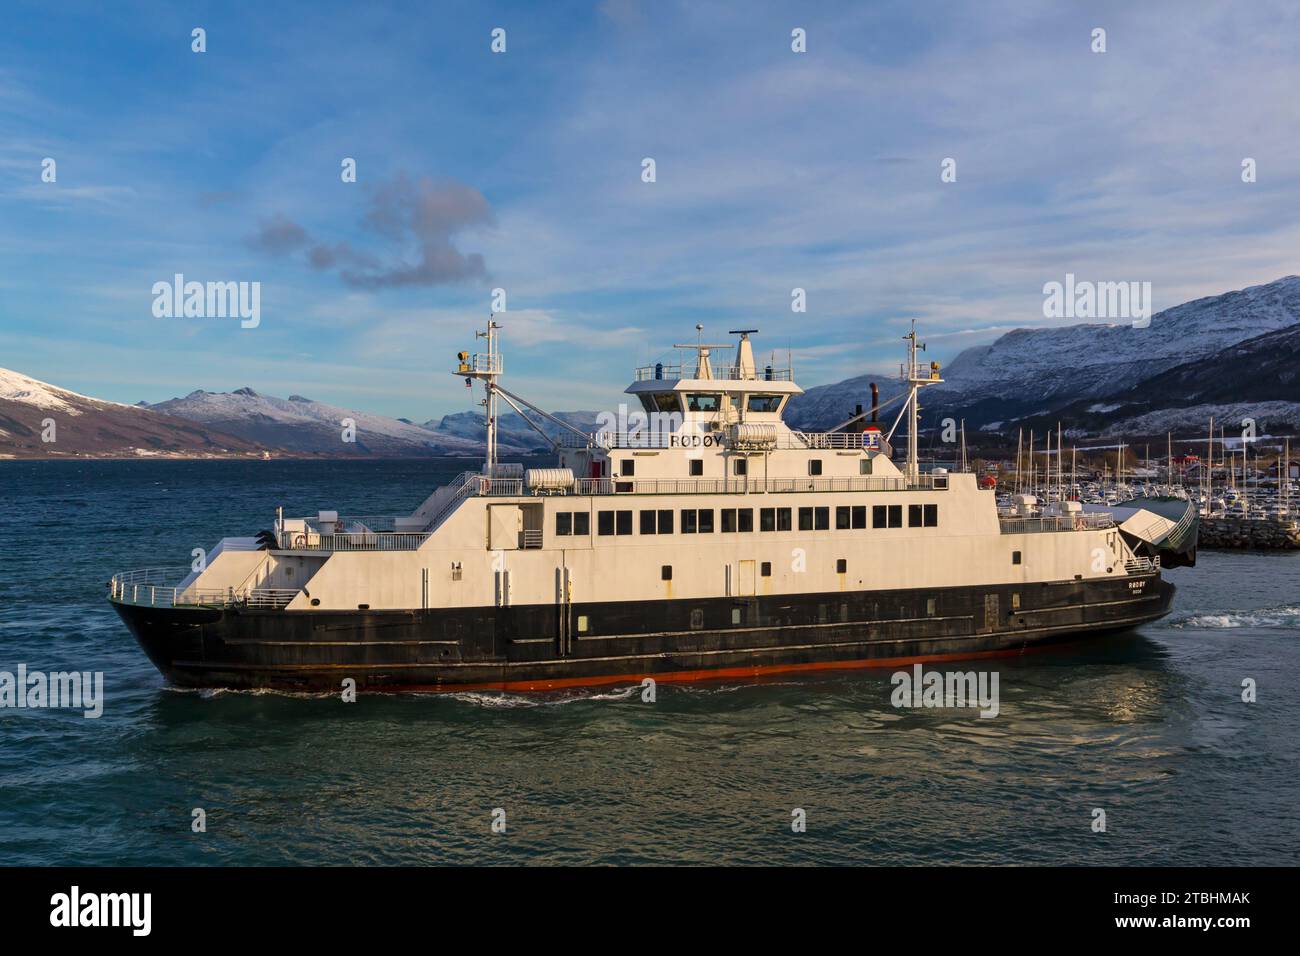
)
(1286, 615)
(504, 700)
(212, 693)
(489, 699)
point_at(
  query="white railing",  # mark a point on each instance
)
(648, 438)
(473, 484)
(149, 587)
(714, 438)
(359, 541)
(836, 439)
(754, 485)
(1084, 521)
(673, 372)
(921, 371)
(1140, 564)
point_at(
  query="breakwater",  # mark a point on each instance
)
(1264, 534)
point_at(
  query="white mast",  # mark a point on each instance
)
(486, 368)
(1208, 481)
(1020, 443)
(1286, 488)
(915, 376)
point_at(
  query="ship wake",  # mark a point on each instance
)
(1283, 616)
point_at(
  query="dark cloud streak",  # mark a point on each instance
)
(421, 216)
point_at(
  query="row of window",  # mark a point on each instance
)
(739, 467)
(700, 520)
(707, 402)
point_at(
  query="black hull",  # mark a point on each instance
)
(535, 648)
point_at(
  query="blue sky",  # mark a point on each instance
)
(775, 170)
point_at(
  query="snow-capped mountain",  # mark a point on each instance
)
(1258, 379)
(40, 420)
(300, 424)
(1045, 366)
(825, 406)
(1029, 372)
(235, 423)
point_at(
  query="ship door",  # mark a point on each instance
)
(747, 584)
(505, 527)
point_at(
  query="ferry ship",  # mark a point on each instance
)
(697, 537)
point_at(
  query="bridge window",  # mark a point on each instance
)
(842, 520)
(581, 522)
(895, 516)
(783, 519)
(706, 521)
(648, 522)
(914, 519)
(767, 519)
(814, 466)
(823, 519)
(859, 516)
(931, 516)
(745, 519)
(624, 523)
(728, 520)
(688, 521)
(564, 522)
(764, 403)
(666, 521)
(697, 402)
(805, 519)
(661, 402)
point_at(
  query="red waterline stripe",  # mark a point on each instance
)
(721, 673)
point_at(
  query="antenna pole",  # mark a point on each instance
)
(914, 379)
(487, 368)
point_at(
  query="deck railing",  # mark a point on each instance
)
(155, 587)
(651, 438)
(754, 485)
(667, 372)
(363, 541)
(1085, 521)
